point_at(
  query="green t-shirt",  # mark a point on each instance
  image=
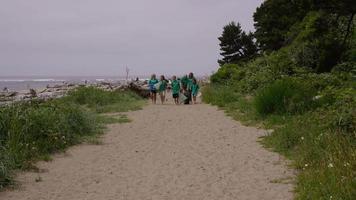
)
(175, 87)
(163, 86)
(189, 84)
(151, 84)
(184, 80)
(195, 89)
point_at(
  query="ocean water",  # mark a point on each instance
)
(25, 83)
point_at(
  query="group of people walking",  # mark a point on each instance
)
(184, 90)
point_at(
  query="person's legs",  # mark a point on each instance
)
(163, 97)
(190, 96)
(175, 97)
(194, 99)
(151, 96)
(154, 96)
(187, 100)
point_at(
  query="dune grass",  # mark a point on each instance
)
(102, 101)
(31, 131)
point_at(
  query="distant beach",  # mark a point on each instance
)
(35, 82)
(20, 83)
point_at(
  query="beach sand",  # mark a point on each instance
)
(166, 152)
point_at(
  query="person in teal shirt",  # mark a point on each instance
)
(152, 87)
(162, 88)
(195, 90)
(175, 89)
(184, 81)
(189, 85)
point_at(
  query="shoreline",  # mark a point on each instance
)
(58, 90)
(61, 90)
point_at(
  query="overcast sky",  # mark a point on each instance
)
(101, 37)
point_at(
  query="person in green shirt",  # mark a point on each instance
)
(162, 88)
(184, 81)
(175, 89)
(189, 85)
(152, 87)
(195, 90)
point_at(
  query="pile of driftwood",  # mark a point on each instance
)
(58, 91)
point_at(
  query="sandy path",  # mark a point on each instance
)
(185, 152)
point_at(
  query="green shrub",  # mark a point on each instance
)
(284, 96)
(352, 51)
(34, 129)
(224, 73)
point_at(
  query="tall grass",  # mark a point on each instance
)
(103, 101)
(33, 130)
(324, 155)
(220, 95)
(284, 96)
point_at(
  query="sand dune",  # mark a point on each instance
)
(167, 152)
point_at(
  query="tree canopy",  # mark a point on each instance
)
(274, 18)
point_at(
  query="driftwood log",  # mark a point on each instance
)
(140, 90)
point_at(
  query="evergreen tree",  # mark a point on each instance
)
(236, 45)
(274, 18)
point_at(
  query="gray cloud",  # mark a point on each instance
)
(101, 37)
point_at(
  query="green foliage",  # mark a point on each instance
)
(344, 110)
(273, 20)
(284, 96)
(30, 131)
(324, 156)
(228, 98)
(319, 43)
(340, 7)
(352, 51)
(220, 95)
(34, 128)
(224, 73)
(102, 101)
(236, 45)
(247, 77)
(319, 33)
(5, 174)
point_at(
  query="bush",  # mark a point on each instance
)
(224, 73)
(32, 130)
(317, 42)
(35, 129)
(286, 95)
